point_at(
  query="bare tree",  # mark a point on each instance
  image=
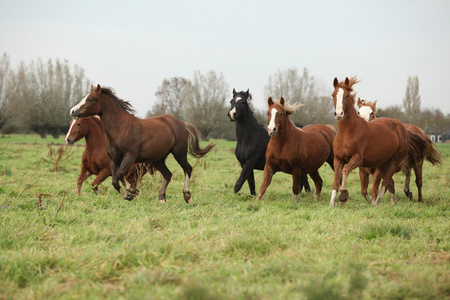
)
(411, 102)
(301, 88)
(6, 90)
(204, 104)
(170, 95)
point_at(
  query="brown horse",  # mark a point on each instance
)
(133, 140)
(427, 151)
(94, 159)
(381, 144)
(294, 150)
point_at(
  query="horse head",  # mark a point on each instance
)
(343, 97)
(78, 129)
(89, 105)
(367, 109)
(239, 105)
(278, 110)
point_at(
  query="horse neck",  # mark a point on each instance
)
(351, 117)
(112, 117)
(246, 125)
(286, 131)
(95, 137)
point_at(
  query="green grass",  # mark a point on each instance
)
(56, 245)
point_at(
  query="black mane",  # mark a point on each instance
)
(126, 105)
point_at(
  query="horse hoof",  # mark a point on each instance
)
(162, 201)
(189, 200)
(343, 197)
(129, 197)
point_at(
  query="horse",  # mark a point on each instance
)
(381, 144)
(133, 140)
(367, 111)
(295, 150)
(94, 159)
(252, 140)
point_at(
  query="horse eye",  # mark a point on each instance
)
(79, 124)
(358, 112)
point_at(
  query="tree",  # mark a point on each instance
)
(6, 90)
(411, 102)
(170, 95)
(204, 104)
(41, 95)
(301, 88)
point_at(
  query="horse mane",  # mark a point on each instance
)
(288, 108)
(126, 105)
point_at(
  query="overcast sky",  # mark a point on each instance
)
(132, 46)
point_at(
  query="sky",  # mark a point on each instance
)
(132, 46)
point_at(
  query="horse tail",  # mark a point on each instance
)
(194, 139)
(416, 151)
(432, 154)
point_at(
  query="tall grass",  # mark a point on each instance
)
(56, 245)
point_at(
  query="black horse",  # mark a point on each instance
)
(252, 139)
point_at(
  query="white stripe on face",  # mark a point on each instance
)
(271, 126)
(233, 112)
(339, 103)
(364, 112)
(77, 107)
(70, 129)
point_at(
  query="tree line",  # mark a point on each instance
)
(36, 97)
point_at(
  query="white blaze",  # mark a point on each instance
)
(70, 129)
(271, 126)
(364, 112)
(77, 107)
(339, 103)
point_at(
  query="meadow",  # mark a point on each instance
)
(56, 245)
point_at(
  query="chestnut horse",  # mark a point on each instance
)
(133, 140)
(94, 159)
(293, 150)
(427, 151)
(381, 144)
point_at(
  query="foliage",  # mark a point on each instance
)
(40, 89)
(170, 95)
(223, 245)
(411, 102)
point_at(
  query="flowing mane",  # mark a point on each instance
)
(126, 105)
(288, 108)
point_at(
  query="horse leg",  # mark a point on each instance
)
(354, 162)
(377, 176)
(418, 172)
(391, 190)
(304, 183)
(296, 176)
(268, 174)
(406, 189)
(338, 165)
(167, 175)
(105, 173)
(251, 183)
(115, 180)
(187, 168)
(318, 182)
(364, 178)
(85, 173)
(391, 168)
(247, 168)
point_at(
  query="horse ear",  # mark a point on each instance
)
(359, 102)
(234, 92)
(335, 82)
(347, 81)
(282, 101)
(249, 97)
(374, 103)
(99, 89)
(270, 101)
(92, 88)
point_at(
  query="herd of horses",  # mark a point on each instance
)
(120, 145)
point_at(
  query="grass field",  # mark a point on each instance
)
(56, 245)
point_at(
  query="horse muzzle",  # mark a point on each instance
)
(69, 141)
